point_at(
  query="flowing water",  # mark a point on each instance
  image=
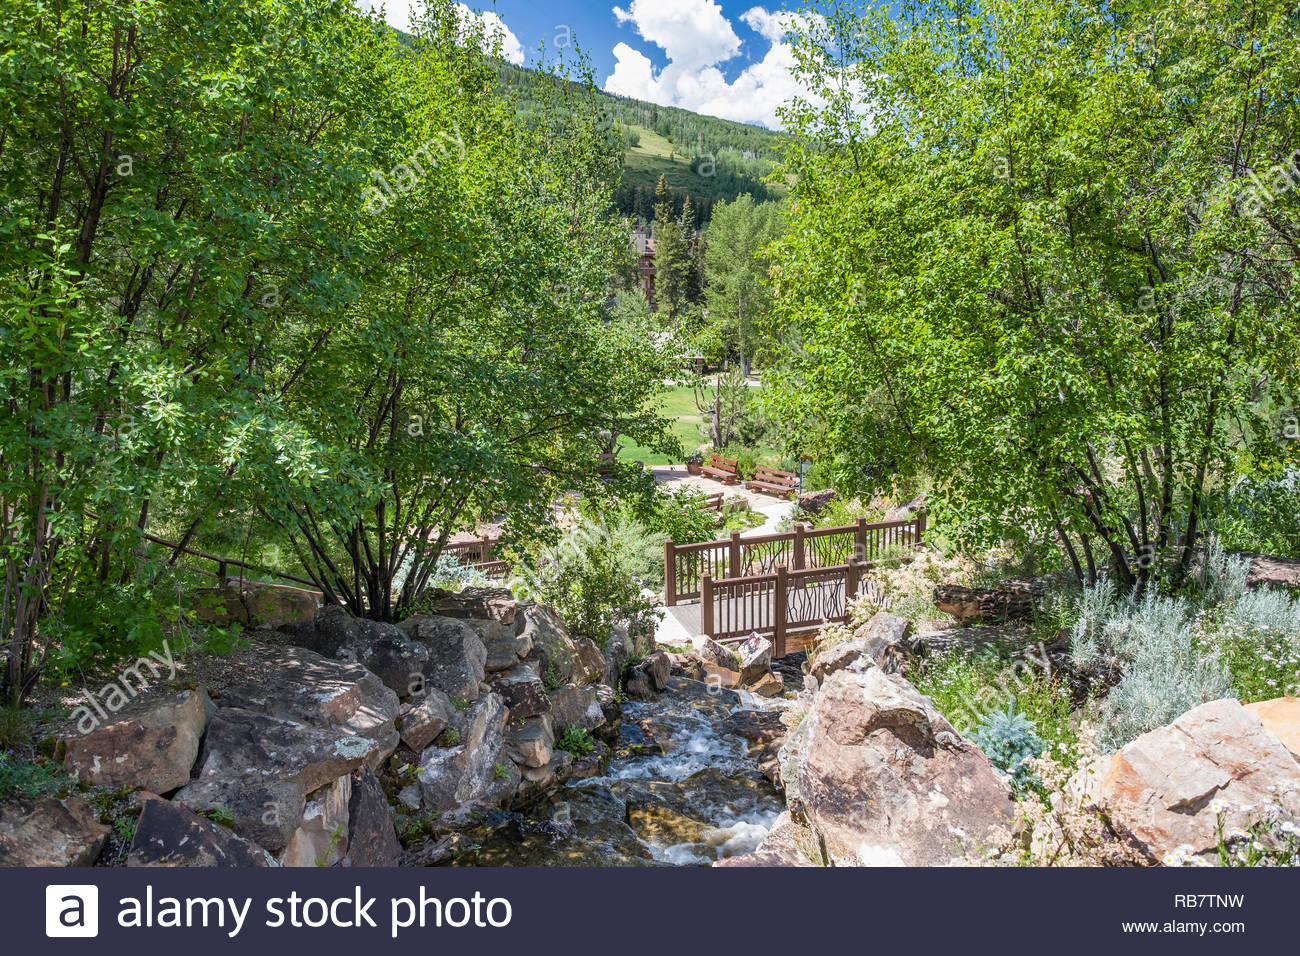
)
(681, 790)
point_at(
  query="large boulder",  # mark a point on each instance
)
(322, 835)
(473, 772)
(383, 649)
(477, 604)
(255, 605)
(260, 769)
(456, 657)
(169, 834)
(1165, 790)
(372, 837)
(305, 688)
(1281, 715)
(424, 718)
(50, 832)
(152, 743)
(884, 779)
(574, 706)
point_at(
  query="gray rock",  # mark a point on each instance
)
(169, 834)
(259, 769)
(847, 654)
(50, 832)
(456, 657)
(306, 688)
(474, 773)
(522, 690)
(425, 718)
(711, 652)
(574, 706)
(151, 744)
(886, 639)
(322, 835)
(532, 743)
(755, 656)
(554, 655)
(505, 648)
(372, 837)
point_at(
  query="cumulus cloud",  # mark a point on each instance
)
(697, 39)
(398, 13)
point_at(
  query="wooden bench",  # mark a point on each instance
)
(721, 469)
(774, 482)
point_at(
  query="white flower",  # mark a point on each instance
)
(1218, 806)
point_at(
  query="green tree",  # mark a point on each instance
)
(736, 272)
(672, 255)
(1047, 254)
(180, 182)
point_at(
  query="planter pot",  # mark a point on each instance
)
(694, 468)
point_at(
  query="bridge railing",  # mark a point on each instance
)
(804, 548)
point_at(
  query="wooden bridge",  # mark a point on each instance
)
(782, 586)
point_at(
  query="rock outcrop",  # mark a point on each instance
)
(168, 834)
(1166, 789)
(50, 832)
(151, 743)
(884, 779)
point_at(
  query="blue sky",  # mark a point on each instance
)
(725, 58)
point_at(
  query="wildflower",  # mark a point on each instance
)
(1218, 806)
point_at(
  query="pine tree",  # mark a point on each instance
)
(672, 256)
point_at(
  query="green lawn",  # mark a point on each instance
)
(678, 404)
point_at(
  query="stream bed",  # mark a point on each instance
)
(681, 790)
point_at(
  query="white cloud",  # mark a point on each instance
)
(398, 14)
(697, 39)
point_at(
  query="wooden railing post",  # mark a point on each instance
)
(852, 571)
(733, 556)
(920, 525)
(706, 604)
(779, 612)
(800, 529)
(670, 574)
(860, 539)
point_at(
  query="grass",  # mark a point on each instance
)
(676, 403)
(655, 156)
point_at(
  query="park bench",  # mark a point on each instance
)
(721, 469)
(773, 482)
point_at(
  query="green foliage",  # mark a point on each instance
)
(595, 576)
(1261, 515)
(102, 624)
(1062, 297)
(30, 778)
(1009, 739)
(736, 268)
(970, 688)
(220, 815)
(576, 741)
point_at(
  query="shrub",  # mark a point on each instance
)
(1010, 741)
(576, 741)
(1258, 639)
(1154, 640)
(970, 687)
(595, 577)
(29, 778)
(450, 574)
(747, 459)
(100, 624)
